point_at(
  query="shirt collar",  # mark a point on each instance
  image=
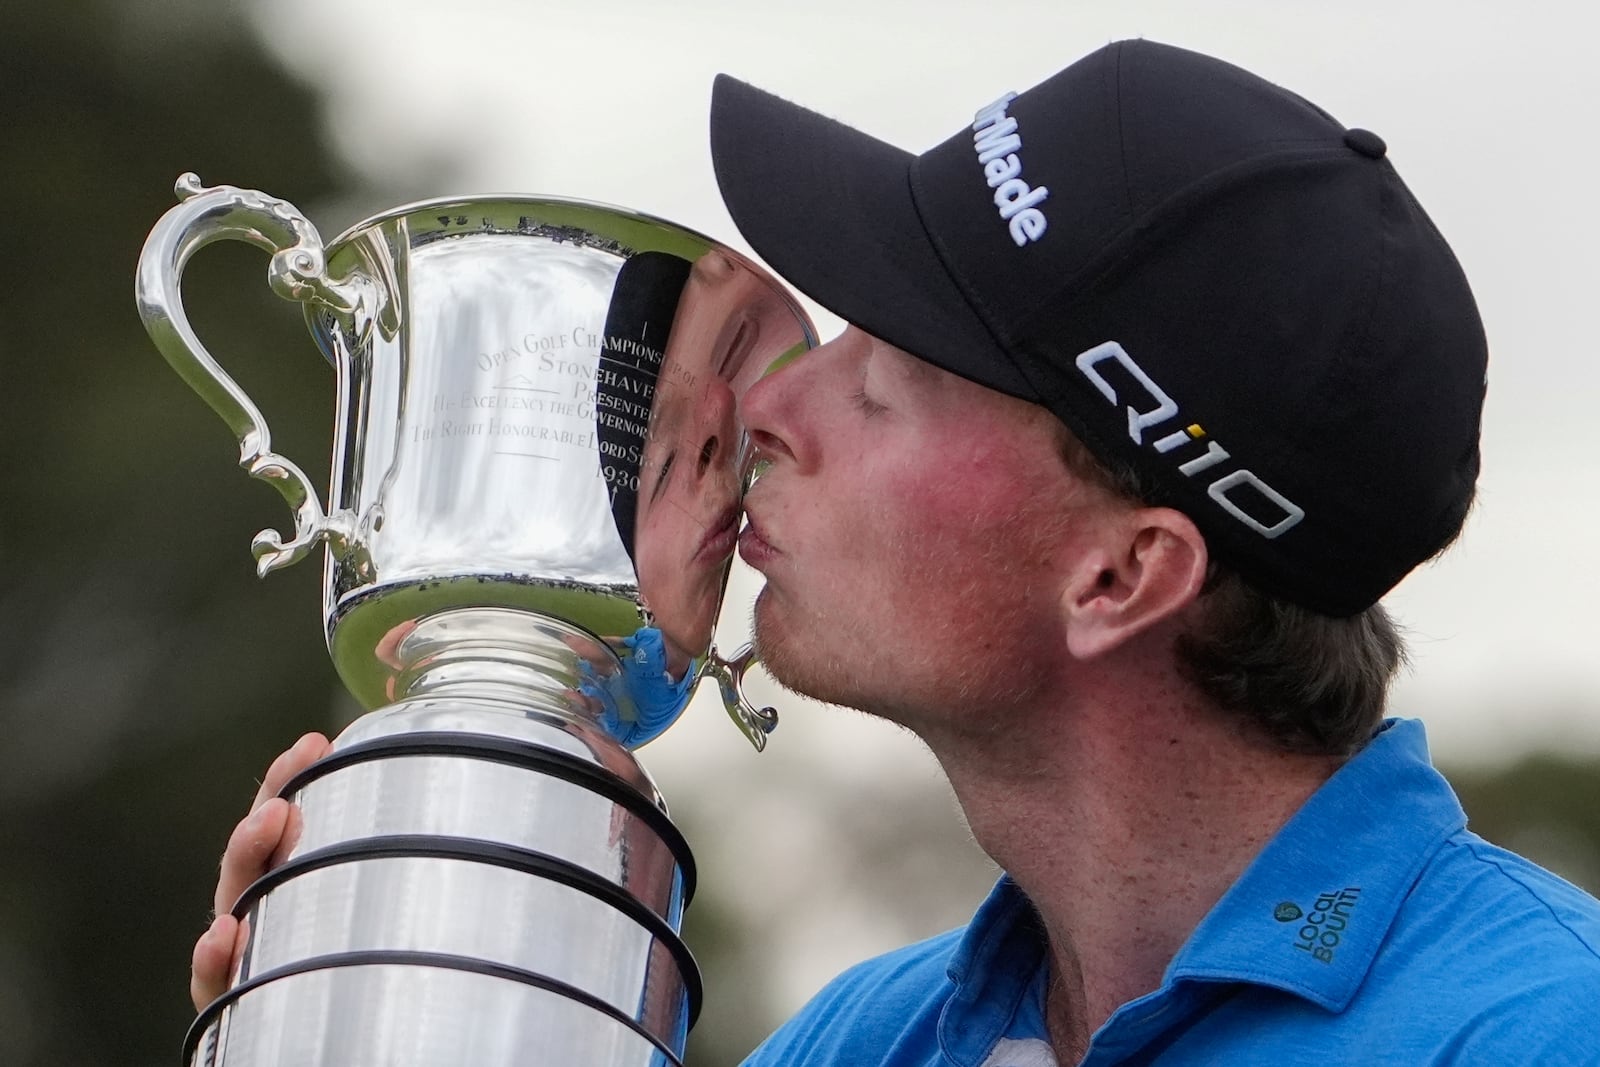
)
(1338, 870)
(992, 968)
(1309, 913)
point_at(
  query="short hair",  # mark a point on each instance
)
(1310, 683)
(1305, 682)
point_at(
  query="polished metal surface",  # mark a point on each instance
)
(536, 478)
(493, 802)
(537, 411)
(409, 1016)
(350, 908)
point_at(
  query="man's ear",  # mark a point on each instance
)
(1149, 566)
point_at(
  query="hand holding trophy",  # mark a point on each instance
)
(536, 476)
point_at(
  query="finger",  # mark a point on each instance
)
(249, 849)
(213, 961)
(293, 825)
(302, 754)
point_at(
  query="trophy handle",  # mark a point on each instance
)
(755, 723)
(298, 272)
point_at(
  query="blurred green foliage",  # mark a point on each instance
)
(136, 703)
(1546, 807)
(146, 676)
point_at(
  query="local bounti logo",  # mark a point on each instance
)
(1324, 925)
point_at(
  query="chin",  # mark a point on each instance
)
(771, 647)
(784, 655)
(801, 666)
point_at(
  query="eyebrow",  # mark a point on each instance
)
(911, 368)
(919, 368)
(662, 471)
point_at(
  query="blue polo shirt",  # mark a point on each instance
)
(1373, 929)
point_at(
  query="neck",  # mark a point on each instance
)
(1124, 819)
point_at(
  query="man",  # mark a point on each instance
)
(1158, 380)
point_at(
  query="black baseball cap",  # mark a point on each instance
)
(1201, 274)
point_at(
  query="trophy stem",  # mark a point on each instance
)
(502, 653)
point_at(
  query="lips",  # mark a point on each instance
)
(754, 548)
(721, 536)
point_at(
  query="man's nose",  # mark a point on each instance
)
(767, 410)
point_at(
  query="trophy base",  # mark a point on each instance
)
(480, 873)
(420, 1013)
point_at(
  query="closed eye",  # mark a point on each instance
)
(661, 475)
(869, 406)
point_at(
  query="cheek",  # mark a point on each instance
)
(976, 525)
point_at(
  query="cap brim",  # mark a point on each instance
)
(831, 210)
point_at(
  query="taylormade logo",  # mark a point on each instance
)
(998, 144)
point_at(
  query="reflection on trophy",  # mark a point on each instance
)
(535, 498)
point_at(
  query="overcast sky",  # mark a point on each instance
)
(1489, 111)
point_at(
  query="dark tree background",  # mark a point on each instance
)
(144, 672)
(146, 676)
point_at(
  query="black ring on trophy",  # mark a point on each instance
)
(517, 754)
(441, 960)
(512, 857)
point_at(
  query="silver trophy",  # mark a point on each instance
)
(536, 477)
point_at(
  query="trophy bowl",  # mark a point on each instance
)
(536, 476)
